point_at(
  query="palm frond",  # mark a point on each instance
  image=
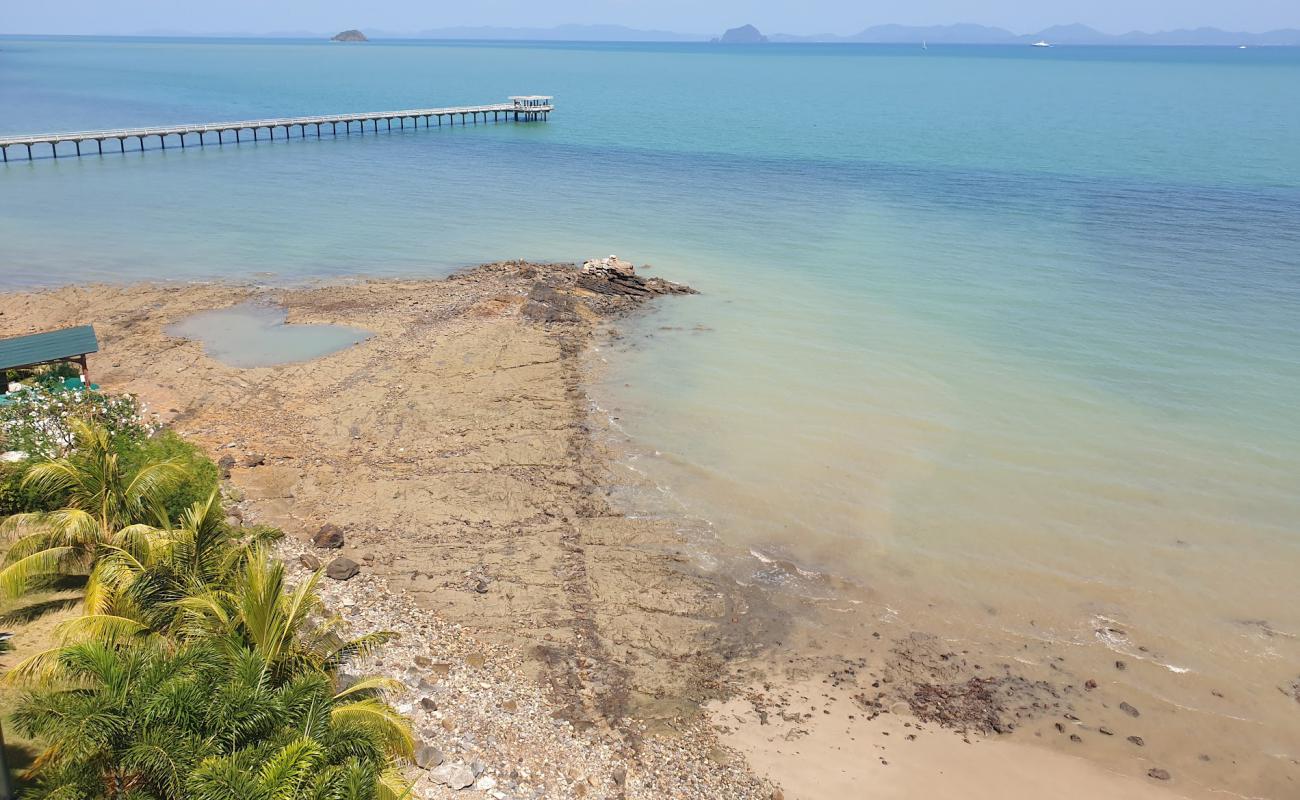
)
(34, 570)
(101, 627)
(381, 719)
(366, 688)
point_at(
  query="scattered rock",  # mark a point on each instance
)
(1120, 665)
(309, 561)
(234, 522)
(1076, 738)
(455, 775)
(225, 464)
(254, 460)
(1090, 684)
(1137, 740)
(485, 783)
(1158, 774)
(427, 756)
(1104, 731)
(620, 776)
(1130, 710)
(342, 569)
(329, 537)
(428, 704)
(475, 660)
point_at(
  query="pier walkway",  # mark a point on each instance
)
(518, 109)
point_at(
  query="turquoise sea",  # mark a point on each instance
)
(1006, 335)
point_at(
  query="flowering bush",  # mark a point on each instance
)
(36, 421)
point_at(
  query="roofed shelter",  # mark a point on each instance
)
(52, 347)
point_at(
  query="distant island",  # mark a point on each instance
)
(745, 34)
(349, 36)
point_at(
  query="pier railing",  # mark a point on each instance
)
(530, 110)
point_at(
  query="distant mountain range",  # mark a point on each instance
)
(560, 33)
(878, 34)
(1058, 34)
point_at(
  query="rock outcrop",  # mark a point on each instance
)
(349, 36)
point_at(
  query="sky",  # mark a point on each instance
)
(685, 16)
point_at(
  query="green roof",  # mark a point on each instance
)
(42, 348)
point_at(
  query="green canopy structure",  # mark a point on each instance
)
(68, 344)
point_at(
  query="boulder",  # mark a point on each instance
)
(427, 756)
(329, 537)
(342, 569)
(455, 775)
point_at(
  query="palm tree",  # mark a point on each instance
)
(286, 627)
(157, 720)
(106, 506)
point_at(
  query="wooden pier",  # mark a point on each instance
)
(519, 109)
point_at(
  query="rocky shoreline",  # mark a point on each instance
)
(450, 474)
(562, 647)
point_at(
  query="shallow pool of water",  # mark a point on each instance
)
(257, 335)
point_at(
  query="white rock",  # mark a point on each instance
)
(485, 783)
(455, 774)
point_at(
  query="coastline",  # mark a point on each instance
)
(456, 452)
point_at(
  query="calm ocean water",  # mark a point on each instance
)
(1005, 332)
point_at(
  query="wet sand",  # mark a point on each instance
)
(457, 453)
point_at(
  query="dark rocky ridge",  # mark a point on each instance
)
(352, 35)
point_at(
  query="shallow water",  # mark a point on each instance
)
(254, 334)
(1007, 336)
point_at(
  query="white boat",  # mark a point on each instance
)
(1243, 47)
(1041, 43)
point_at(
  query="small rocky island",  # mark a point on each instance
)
(349, 36)
(745, 34)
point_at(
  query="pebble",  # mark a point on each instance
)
(1137, 740)
(1130, 710)
(1158, 774)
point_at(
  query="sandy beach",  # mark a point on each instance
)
(548, 642)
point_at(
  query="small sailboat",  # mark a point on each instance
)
(1243, 47)
(1041, 43)
(924, 46)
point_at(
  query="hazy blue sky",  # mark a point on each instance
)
(688, 16)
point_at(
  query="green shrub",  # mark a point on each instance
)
(17, 499)
(202, 475)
